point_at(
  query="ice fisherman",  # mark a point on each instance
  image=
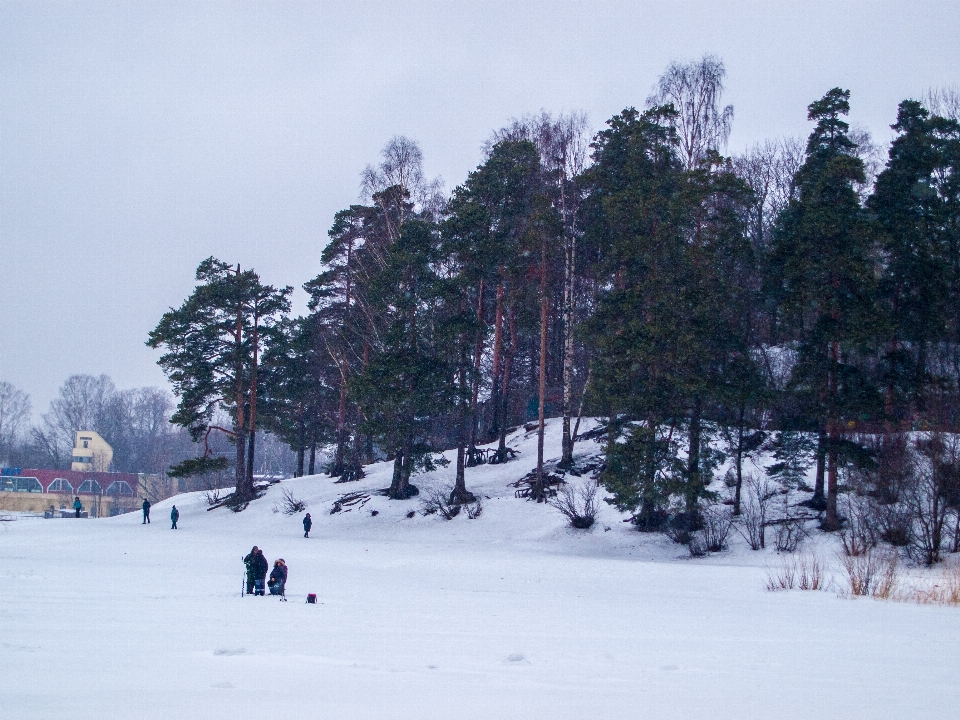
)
(307, 524)
(77, 506)
(278, 577)
(146, 511)
(174, 516)
(257, 567)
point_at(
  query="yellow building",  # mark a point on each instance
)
(91, 453)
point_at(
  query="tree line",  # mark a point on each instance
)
(797, 297)
(135, 421)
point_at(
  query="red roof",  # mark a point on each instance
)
(77, 478)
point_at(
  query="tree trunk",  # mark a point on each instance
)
(252, 420)
(459, 494)
(736, 496)
(501, 454)
(831, 520)
(301, 448)
(819, 499)
(569, 269)
(313, 456)
(339, 458)
(540, 492)
(475, 383)
(695, 483)
(495, 389)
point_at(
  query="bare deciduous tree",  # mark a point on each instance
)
(769, 169)
(944, 101)
(14, 416)
(402, 164)
(694, 89)
(563, 143)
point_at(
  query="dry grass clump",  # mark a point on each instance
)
(946, 591)
(872, 573)
(806, 571)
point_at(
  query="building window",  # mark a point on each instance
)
(61, 485)
(21, 484)
(119, 487)
(86, 443)
(90, 486)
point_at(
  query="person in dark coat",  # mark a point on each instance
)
(257, 567)
(307, 524)
(146, 511)
(278, 577)
(77, 506)
(174, 516)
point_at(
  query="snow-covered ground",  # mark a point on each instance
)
(510, 615)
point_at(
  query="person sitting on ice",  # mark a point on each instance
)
(278, 577)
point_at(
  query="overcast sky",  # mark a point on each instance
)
(137, 139)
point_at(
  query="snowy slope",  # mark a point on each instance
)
(510, 615)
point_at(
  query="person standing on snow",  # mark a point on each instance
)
(257, 568)
(146, 511)
(77, 506)
(307, 524)
(278, 577)
(174, 516)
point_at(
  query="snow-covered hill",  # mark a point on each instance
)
(510, 615)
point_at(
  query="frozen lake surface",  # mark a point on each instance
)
(510, 615)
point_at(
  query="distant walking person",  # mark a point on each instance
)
(257, 567)
(174, 516)
(146, 511)
(307, 524)
(77, 506)
(278, 578)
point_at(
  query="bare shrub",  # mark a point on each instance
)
(893, 524)
(888, 579)
(697, 544)
(790, 532)
(804, 572)
(872, 573)
(213, 496)
(680, 527)
(578, 503)
(936, 483)
(860, 533)
(783, 577)
(474, 509)
(811, 572)
(289, 504)
(754, 511)
(946, 591)
(717, 522)
(435, 500)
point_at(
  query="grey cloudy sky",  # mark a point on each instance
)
(138, 138)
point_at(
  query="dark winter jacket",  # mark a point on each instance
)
(174, 514)
(307, 524)
(146, 506)
(257, 565)
(278, 574)
(77, 505)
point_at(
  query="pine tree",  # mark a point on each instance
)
(406, 381)
(213, 344)
(822, 247)
(915, 214)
